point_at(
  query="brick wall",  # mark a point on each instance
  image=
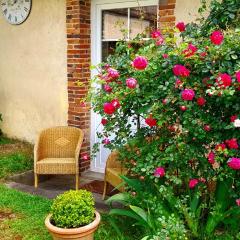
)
(78, 62)
(166, 13)
(78, 65)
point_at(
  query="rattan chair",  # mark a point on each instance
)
(57, 152)
(113, 170)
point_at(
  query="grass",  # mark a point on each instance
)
(14, 163)
(29, 215)
(5, 140)
(30, 212)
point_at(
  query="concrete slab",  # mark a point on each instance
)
(53, 185)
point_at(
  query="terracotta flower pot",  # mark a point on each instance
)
(81, 233)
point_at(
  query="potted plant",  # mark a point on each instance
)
(73, 216)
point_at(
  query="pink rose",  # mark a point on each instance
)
(140, 63)
(108, 108)
(106, 141)
(233, 118)
(234, 163)
(131, 83)
(85, 157)
(113, 73)
(107, 88)
(211, 158)
(116, 103)
(159, 172)
(156, 34)
(165, 55)
(151, 122)
(190, 51)
(217, 37)
(104, 121)
(238, 202)
(183, 108)
(188, 94)
(220, 147)
(193, 182)
(160, 41)
(232, 143)
(181, 26)
(180, 70)
(224, 80)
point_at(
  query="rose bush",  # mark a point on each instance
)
(174, 112)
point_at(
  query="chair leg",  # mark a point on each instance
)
(77, 181)
(104, 190)
(35, 180)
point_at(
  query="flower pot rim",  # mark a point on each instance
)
(91, 226)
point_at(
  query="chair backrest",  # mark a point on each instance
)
(59, 142)
(112, 160)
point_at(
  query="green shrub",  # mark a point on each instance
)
(73, 209)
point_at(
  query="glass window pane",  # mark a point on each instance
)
(107, 49)
(115, 23)
(143, 19)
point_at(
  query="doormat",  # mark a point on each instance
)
(96, 186)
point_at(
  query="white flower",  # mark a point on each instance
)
(237, 123)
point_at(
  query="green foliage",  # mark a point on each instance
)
(73, 209)
(180, 142)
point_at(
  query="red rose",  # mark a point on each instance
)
(233, 118)
(220, 147)
(238, 76)
(180, 70)
(224, 80)
(207, 128)
(232, 143)
(181, 26)
(193, 182)
(191, 49)
(217, 37)
(151, 122)
(108, 108)
(104, 121)
(107, 88)
(201, 101)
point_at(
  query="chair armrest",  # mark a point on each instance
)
(36, 152)
(78, 149)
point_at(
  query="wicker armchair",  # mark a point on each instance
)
(57, 152)
(113, 169)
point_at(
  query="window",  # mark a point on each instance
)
(126, 23)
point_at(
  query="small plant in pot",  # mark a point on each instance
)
(73, 216)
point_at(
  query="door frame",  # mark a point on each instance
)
(96, 54)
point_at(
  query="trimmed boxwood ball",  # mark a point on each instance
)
(73, 209)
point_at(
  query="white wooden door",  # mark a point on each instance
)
(104, 16)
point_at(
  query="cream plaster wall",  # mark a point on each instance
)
(187, 10)
(33, 71)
